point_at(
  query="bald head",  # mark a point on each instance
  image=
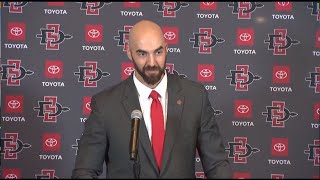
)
(145, 30)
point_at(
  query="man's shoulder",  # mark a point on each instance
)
(185, 82)
(111, 92)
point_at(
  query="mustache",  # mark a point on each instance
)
(151, 68)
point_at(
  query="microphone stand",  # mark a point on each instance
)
(136, 167)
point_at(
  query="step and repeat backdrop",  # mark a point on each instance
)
(259, 62)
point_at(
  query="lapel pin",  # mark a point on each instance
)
(179, 101)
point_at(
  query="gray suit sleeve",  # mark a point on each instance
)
(92, 147)
(210, 144)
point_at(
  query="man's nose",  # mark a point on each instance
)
(152, 60)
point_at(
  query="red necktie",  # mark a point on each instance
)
(157, 122)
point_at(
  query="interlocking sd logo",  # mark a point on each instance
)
(279, 147)
(171, 34)
(51, 142)
(55, 3)
(281, 74)
(241, 175)
(11, 173)
(14, 104)
(53, 69)
(244, 9)
(16, 31)
(318, 39)
(283, 6)
(94, 33)
(208, 5)
(277, 176)
(205, 72)
(132, 4)
(316, 111)
(242, 108)
(127, 69)
(245, 36)
(15, 7)
(86, 108)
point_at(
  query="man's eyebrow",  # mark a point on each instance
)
(159, 48)
(141, 51)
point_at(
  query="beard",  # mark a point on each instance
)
(153, 78)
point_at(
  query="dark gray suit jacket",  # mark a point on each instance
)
(190, 125)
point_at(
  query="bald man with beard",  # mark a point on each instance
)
(165, 150)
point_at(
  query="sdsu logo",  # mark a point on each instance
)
(52, 37)
(315, 9)
(169, 9)
(11, 145)
(90, 74)
(314, 79)
(15, 7)
(47, 174)
(279, 42)
(123, 37)
(49, 109)
(240, 150)
(170, 69)
(241, 78)
(278, 114)
(75, 146)
(244, 9)
(92, 8)
(13, 72)
(314, 152)
(205, 40)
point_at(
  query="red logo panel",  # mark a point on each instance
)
(14, 104)
(53, 69)
(205, 72)
(86, 105)
(16, 31)
(242, 108)
(51, 142)
(245, 37)
(279, 147)
(281, 74)
(94, 33)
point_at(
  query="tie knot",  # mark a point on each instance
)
(154, 95)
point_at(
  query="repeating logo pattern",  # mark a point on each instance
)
(261, 73)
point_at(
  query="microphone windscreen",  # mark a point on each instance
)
(136, 114)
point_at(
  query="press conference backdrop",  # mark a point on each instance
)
(259, 62)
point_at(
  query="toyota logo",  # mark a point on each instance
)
(88, 106)
(14, 104)
(53, 69)
(128, 70)
(245, 37)
(279, 147)
(93, 33)
(243, 109)
(207, 3)
(318, 111)
(11, 176)
(51, 142)
(169, 35)
(281, 74)
(16, 31)
(205, 73)
(283, 4)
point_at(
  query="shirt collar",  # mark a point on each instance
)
(145, 91)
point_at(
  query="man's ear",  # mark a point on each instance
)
(129, 53)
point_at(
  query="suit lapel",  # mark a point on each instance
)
(175, 107)
(130, 102)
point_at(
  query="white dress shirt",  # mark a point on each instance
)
(145, 101)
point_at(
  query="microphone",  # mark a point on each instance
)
(136, 115)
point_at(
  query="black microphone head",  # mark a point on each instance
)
(136, 114)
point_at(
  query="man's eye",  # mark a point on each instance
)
(159, 52)
(141, 54)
